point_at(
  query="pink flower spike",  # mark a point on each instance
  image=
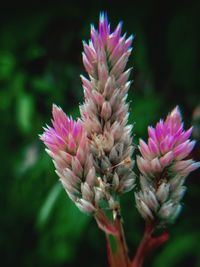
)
(64, 134)
(105, 111)
(68, 146)
(168, 144)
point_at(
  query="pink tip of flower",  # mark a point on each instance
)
(103, 26)
(65, 133)
(168, 144)
(184, 149)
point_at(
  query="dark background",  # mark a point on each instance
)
(40, 64)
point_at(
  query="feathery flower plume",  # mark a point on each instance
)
(105, 111)
(68, 146)
(92, 156)
(164, 167)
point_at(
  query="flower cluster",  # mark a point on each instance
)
(92, 156)
(164, 167)
(68, 146)
(105, 111)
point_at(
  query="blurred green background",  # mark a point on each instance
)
(40, 64)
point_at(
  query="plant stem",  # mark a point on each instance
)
(114, 258)
(116, 245)
(142, 249)
(122, 246)
(147, 244)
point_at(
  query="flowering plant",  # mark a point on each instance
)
(93, 155)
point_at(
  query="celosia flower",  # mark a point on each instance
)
(105, 111)
(164, 167)
(68, 146)
(93, 156)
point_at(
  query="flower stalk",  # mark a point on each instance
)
(121, 241)
(117, 247)
(148, 244)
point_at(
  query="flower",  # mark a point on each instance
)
(105, 111)
(92, 156)
(68, 146)
(164, 167)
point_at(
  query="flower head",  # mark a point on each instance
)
(68, 146)
(105, 111)
(92, 156)
(164, 167)
(168, 146)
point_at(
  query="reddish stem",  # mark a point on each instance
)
(148, 244)
(123, 250)
(119, 256)
(111, 258)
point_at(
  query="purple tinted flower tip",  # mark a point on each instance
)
(103, 26)
(167, 142)
(105, 112)
(68, 146)
(65, 133)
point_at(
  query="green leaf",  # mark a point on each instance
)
(24, 112)
(48, 205)
(64, 223)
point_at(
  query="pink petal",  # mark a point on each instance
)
(183, 150)
(156, 166)
(153, 147)
(184, 136)
(144, 149)
(167, 144)
(159, 130)
(167, 159)
(152, 133)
